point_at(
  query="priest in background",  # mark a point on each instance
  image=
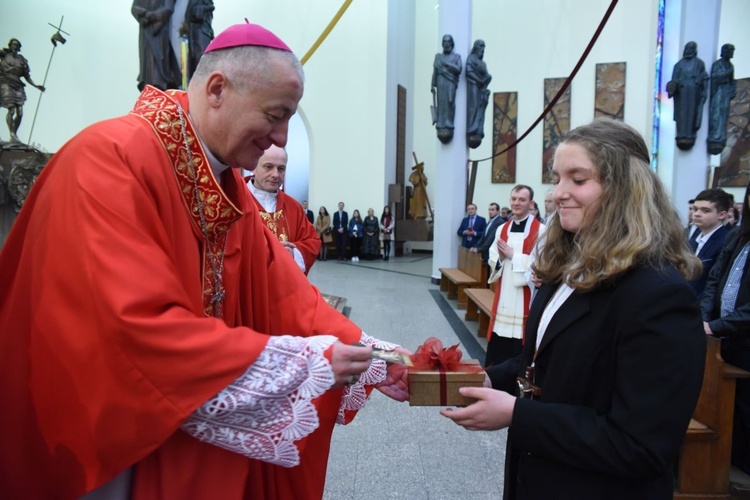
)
(281, 213)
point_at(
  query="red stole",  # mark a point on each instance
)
(528, 246)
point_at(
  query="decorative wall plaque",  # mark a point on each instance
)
(504, 131)
(734, 170)
(609, 100)
(556, 123)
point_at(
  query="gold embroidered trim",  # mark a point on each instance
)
(160, 110)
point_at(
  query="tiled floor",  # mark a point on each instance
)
(392, 450)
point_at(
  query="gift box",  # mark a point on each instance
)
(438, 373)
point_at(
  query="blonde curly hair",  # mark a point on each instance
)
(636, 224)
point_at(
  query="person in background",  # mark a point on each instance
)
(505, 213)
(710, 210)
(204, 365)
(549, 208)
(738, 207)
(510, 260)
(387, 223)
(691, 231)
(309, 213)
(472, 227)
(599, 401)
(355, 234)
(281, 213)
(535, 213)
(484, 244)
(371, 241)
(323, 228)
(341, 231)
(733, 216)
(725, 307)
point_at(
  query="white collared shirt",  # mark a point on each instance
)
(266, 199)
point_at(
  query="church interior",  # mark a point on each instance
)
(365, 119)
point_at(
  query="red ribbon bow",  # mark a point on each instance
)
(432, 356)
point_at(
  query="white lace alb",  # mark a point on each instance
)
(355, 396)
(267, 409)
(262, 413)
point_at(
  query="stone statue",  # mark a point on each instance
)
(723, 90)
(446, 69)
(689, 88)
(13, 67)
(197, 28)
(159, 66)
(23, 175)
(477, 94)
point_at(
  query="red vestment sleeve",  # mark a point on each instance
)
(105, 348)
(302, 233)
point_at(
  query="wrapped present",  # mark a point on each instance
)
(438, 373)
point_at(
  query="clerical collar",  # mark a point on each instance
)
(519, 226)
(266, 199)
(217, 166)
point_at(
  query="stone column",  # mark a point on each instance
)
(454, 18)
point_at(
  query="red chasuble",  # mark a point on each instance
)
(107, 343)
(289, 223)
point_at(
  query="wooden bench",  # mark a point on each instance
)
(471, 273)
(704, 462)
(479, 307)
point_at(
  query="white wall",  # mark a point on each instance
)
(526, 43)
(349, 88)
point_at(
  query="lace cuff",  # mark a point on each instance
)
(262, 413)
(355, 395)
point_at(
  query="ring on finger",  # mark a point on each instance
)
(353, 379)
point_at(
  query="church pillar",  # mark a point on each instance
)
(699, 23)
(454, 18)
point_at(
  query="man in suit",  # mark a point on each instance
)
(308, 213)
(691, 231)
(725, 307)
(549, 208)
(472, 227)
(340, 231)
(483, 245)
(710, 209)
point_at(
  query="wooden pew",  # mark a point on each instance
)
(704, 462)
(479, 307)
(470, 273)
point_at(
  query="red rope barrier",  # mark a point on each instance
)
(565, 85)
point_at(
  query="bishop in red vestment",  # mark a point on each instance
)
(150, 323)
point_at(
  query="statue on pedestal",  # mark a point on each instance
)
(723, 90)
(158, 64)
(197, 28)
(446, 70)
(13, 67)
(477, 94)
(689, 88)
